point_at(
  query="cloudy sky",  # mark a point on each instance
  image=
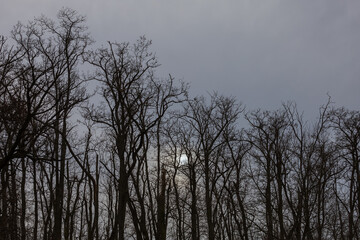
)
(264, 52)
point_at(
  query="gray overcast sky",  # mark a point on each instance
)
(261, 51)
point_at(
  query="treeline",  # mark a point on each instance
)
(146, 161)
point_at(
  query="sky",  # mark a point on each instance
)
(263, 52)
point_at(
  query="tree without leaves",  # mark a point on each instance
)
(135, 103)
(279, 178)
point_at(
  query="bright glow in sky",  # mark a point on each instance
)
(183, 159)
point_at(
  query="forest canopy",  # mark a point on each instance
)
(141, 159)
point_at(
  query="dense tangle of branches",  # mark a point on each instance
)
(140, 159)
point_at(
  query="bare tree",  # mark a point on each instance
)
(45, 86)
(134, 105)
(346, 124)
(209, 122)
(268, 136)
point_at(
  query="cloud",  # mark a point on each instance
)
(263, 52)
